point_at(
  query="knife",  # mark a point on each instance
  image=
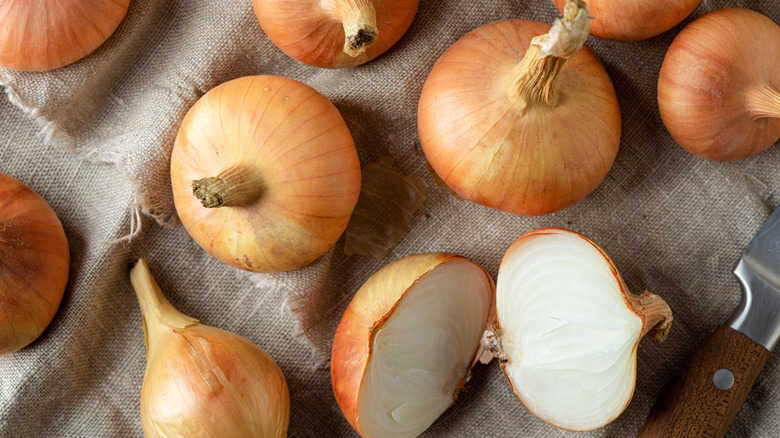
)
(704, 396)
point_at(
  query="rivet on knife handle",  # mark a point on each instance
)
(706, 393)
(692, 405)
(723, 379)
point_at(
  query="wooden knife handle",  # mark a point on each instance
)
(692, 405)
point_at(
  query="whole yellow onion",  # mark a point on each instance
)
(265, 174)
(514, 116)
(335, 33)
(39, 35)
(201, 381)
(634, 20)
(719, 85)
(34, 264)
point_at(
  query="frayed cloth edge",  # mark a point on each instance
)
(55, 136)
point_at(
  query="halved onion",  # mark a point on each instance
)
(407, 342)
(567, 329)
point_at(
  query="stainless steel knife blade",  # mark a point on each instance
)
(758, 314)
(705, 394)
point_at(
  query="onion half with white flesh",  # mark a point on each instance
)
(567, 329)
(407, 342)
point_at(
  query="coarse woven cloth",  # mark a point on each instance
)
(94, 139)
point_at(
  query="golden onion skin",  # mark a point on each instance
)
(495, 151)
(34, 264)
(634, 20)
(42, 35)
(201, 381)
(312, 33)
(719, 89)
(371, 306)
(205, 382)
(299, 147)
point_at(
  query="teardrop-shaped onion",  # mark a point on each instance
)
(719, 86)
(567, 328)
(634, 20)
(407, 342)
(39, 35)
(201, 381)
(34, 264)
(335, 33)
(265, 174)
(515, 131)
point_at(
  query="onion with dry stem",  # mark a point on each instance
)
(47, 34)
(518, 119)
(265, 174)
(335, 33)
(719, 86)
(407, 342)
(567, 328)
(201, 381)
(34, 264)
(634, 20)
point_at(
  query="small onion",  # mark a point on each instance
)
(265, 174)
(39, 35)
(634, 20)
(719, 86)
(519, 120)
(335, 33)
(567, 328)
(407, 342)
(201, 381)
(34, 264)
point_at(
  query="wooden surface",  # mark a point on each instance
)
(691, 405)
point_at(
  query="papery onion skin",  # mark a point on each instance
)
(34, 264)
(389, 195)
(719, 85)
(184, 396)
(634, 20)
(478, 140)
(202, 381)
(312, 32)
(655, 315)
(301, 161)
(47, 34)
(368, 310)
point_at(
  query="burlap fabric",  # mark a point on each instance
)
(97, 148)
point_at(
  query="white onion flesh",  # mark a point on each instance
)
(423, 351)
(567, 331)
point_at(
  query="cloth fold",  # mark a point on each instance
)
(98, 149)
